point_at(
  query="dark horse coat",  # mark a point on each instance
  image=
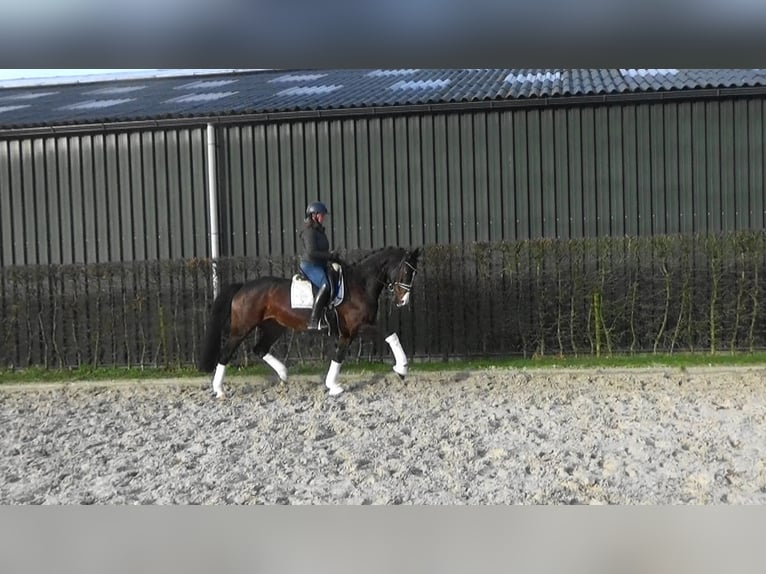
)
(264, 304)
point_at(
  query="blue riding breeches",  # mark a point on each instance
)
(316, 274)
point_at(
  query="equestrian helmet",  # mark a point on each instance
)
(316, 207)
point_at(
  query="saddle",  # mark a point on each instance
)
(302, 291)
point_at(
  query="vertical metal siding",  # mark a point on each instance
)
(713, 167)
(277, 202)
(390, 177)
(375, 184)
(465, 204)
(756, 159)
(616, 175)
(728, 191)
(685, 168)
(415, 223)
(7, 235)
(589, 200)
(501, 200)
(162, 193)
(322, 183)
(400, 193)
(548, 191)
(350, 218)
(290, 210)
(574, 127)
(699, 178)
(12, 218)
(229, 204)
(72, 177)
(451, 197)
(672, 203)
(247, 234)
(635, 169)
(629, 185)
(200, 227)
(481, 177)
(96, 198)
(28, 214)
(561, 173)
(299, 169)
(741, 124)
(495, 184)
(141, 234)
(101, 223)
(146, 173)
(441, 181)
(365, 216)
(643, 160)
(521, 178)
(603, 194)
(657, 168)
(56, 208)
(426, 159)
(534, 175)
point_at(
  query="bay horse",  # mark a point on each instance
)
(264, 305)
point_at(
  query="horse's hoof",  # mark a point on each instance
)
(401, 371)
(220, 396)
(334, 390)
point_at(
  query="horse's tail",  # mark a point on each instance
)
(218, 317)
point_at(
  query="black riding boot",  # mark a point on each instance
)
(319, 304)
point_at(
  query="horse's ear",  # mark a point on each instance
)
(415, 255)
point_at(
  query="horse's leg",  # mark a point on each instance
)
(227, 352)
(212, 356)
(400, 368)
(331, 382)
(220, 370)
(268, 333)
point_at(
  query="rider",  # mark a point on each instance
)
(316, 255)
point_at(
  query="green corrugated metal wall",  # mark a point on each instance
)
(103, 197)
(488, 176)
(622, 169)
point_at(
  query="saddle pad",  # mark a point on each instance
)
(301, 293)
(341, 286)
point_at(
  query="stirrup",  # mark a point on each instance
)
(320, 325)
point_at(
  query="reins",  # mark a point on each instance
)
(406, 287)
(393, 284)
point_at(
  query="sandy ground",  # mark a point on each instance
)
(497, 436)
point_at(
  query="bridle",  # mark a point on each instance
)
(406, 287)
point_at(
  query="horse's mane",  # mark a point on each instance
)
(377, 253)
(372, 254)
(369, 263)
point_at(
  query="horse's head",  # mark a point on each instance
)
(403, 276)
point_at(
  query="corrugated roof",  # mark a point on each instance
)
(258, 92)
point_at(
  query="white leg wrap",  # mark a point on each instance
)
(332, 377)
(400, 367)
(277, 365)
(218, 381)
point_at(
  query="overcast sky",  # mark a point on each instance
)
(36, 76)
(42, 73)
